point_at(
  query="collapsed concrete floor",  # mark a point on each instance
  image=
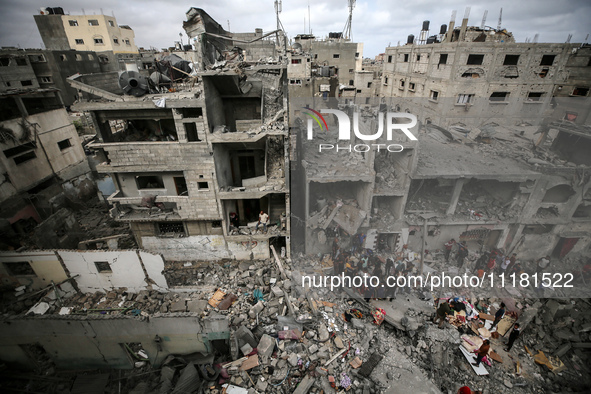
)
(303, 342)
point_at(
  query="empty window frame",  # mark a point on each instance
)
(580, 91)
(63, 57)
(21, 61)
(191, 131)
(24, 158)
(547, 60)
(79, 41)
(73, 22)
(401, 84)
(336, 56)
(111, 23)
(434, 95)
(406, 56)
(27, 82)
(296, 61)
(64, 144)
(45, 80)
(127, 42)
(443, 58)
(511, 60)
(295, 81)
(4, 62)
(181, 186)
(170, 228)
(90, 57)
(149, 182)
(475, 59)
(98, 41)
(351, 82)
(465, 99)
(103, 267)
(19, 268)
(411, 86)
(203, 185)
(93, 22)
(191, 112)
(19, 149)
(499, 96)
(369, 84)
(390, 59)
(116, 41)
(535, 96)
(37, 58)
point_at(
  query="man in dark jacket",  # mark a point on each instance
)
(443, 310)
(513, 336)
(498, 316)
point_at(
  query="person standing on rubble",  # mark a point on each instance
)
(513, 336)
(462, 254)
(448, 246)
(543, 263)
(498, 316)
(482, 352)
(263, 219)
(444, 309)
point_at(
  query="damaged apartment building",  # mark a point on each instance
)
(42, 163)
(500, 159)
(196, 155)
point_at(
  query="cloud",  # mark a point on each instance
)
(157, 23)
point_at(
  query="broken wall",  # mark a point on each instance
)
(66, 339)
(207, 247)
(44, 267)
(106, 270)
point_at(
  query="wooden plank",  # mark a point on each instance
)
(250, 363)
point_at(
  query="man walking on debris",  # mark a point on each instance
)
(513, 336)
(483, 351)
(443, 310)
(263, 219)
(498, 316)
(448, 245)
(462, 254)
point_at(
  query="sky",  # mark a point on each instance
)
(377, 24)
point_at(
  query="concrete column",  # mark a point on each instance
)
(455, 196)
(21, 106)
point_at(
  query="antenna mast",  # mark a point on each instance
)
(500, 19)
(347, 29)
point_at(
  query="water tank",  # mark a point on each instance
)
(410, 39)
(443, 29)
(425, 25)
(133, 83)
(58, 10)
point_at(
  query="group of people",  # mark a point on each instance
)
(357, 261)
(494, 261)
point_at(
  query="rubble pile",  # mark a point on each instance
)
(95, 222)
(276, 160)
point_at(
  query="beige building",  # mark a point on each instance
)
(99, 33)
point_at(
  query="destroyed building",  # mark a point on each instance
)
(42, 159)
(194, 167)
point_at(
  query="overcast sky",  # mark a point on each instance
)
(375, 23)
